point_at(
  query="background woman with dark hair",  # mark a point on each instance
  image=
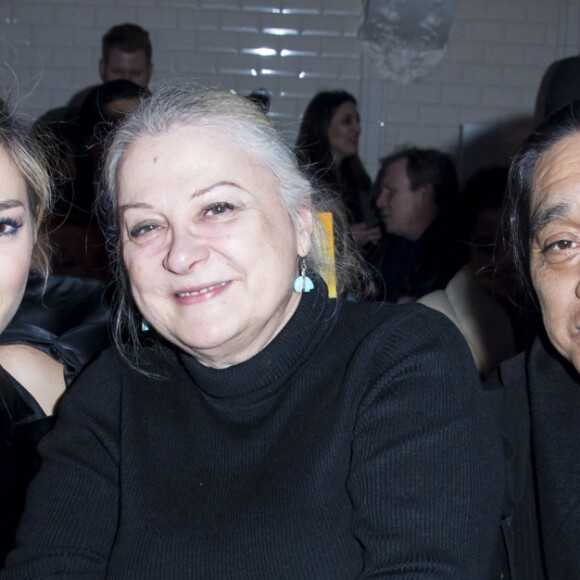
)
(328, 151)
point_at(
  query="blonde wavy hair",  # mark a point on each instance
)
(31, 161)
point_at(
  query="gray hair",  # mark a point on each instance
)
(245, 126)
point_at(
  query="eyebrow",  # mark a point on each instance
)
(543, 218)
(226, 183)
(194, 195)
(10, 204)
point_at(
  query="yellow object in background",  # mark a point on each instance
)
(329, 275)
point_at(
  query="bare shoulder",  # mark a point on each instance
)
(37, 372)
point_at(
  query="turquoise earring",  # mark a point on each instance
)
(144, 325)
(303, 283)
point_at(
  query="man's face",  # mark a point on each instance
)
(406, 212)
(555, 244)
(130, 66)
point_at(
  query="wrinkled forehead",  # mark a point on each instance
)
(196, 153)
(556, 186)
(556, 176)
(207, 139)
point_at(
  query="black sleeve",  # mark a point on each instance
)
(427, 466)
(71, 535)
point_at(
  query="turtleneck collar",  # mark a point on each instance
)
(270, 368)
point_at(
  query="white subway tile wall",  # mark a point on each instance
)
(497, 54)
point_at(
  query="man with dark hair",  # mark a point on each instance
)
(416, 193)
(416, 185)
(126, 54)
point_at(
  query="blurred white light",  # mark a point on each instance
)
(280, 31)
(286, 52)
(263, 51)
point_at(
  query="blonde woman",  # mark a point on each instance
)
(31, 381)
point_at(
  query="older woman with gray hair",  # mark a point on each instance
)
(247, 425)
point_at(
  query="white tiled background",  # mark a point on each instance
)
(497, 54)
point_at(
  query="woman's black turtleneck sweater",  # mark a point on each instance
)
(355, 445)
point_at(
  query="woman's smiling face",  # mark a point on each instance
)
(209, 247)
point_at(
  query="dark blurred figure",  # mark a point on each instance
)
(75, 235)
(560, 86)
(260, 97)
(126, 53)
(327, 148)
(482, 298)
(101, 110)
(416, 192)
